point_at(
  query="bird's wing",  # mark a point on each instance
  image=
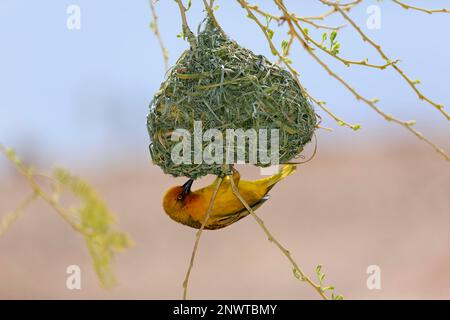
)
(269, 182)
(225, 186)
(226, 182)
(236, 216)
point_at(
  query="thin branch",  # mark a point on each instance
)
(411, 83)
(318, 25)
(294, 72)
(320, 17)
(272, 239)
(347, 62)
(95, 230)
(429, 11)
(280, 19)
(370, 102)
(187, 33)
(155, 27)
(197, 238)
(13, 216)
(38, 191)
(210, 10)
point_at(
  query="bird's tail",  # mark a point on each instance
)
(286, 170)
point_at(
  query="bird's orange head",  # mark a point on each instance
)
(175, 199)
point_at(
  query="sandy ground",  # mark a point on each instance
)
(388, 207)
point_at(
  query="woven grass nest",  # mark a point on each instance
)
(226, 87)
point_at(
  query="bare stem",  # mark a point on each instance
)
(370, 102)
(210, 10)
(38, 191)
(295, 73)
(13, 216)
(187, 33)
(197, 238)
(272, 239)
(292, 16)
(411, 83)
(429, 11)
(280, 19)
(155, 28)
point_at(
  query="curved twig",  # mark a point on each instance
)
(411, 83)
(187, 33)
(272, 239)
(429, 11)
(370, 102)
(155, 27)
(197, 239)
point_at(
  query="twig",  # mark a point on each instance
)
(370, 102)
(429, 11)
(210, 10)
(92, 221)
(280, 19)
(155, 27)
(272, 239)
(294, 72)
(292, 16)
(347, 7)
(187, 33)
(38, 191)
(13, 216)
(411, 83)
(197, 238)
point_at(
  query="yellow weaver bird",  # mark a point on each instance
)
(190, 207)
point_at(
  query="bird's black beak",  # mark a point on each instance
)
(187, 186)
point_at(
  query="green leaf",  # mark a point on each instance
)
(324, 37)
(284, 46)
(335, 48)
(333, 36)
(318, 269)
(322, 276)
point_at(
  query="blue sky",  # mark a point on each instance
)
(83, 94)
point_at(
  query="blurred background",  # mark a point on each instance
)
(79, 99)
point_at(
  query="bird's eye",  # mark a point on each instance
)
(180, 197)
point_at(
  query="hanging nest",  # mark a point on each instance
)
(227, 87)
